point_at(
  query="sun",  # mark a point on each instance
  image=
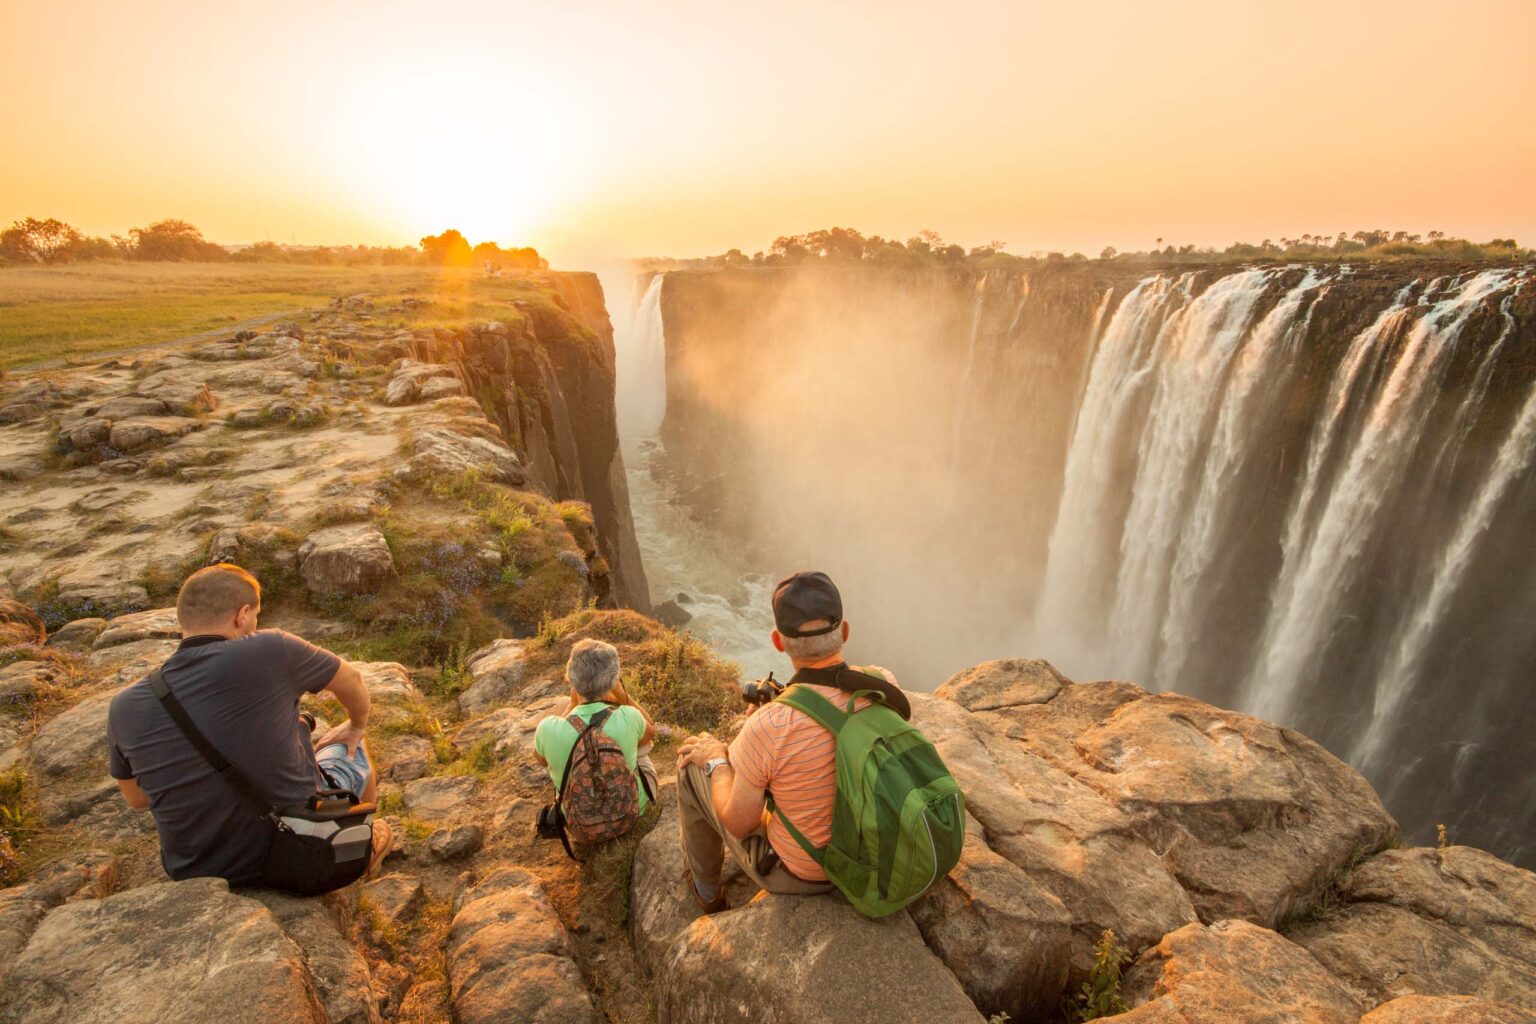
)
(449, 149)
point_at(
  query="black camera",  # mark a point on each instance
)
(551, 821)
(761, 691)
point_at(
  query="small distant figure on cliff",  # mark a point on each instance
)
(214, 745)
(597, 752)
(797, 743)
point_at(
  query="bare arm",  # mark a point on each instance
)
(133, 793)
(348, 687)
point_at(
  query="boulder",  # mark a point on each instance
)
(176, 951)
(448, 844)
(158, 624)
(75, 739)
(502, 727)
(1008, 683)
(438, 450)
(393, 899)
(507, 957)
(335, 966)
(1006, 939)
(497, 672)
(86, 435)
(406, 384)
(1066, 837)
(441, 387)
(19, 624)
(352, 559)
(77, 634)
(1253, 820)
(131, 435)
(1447, 1010)
(787, 960)
(1456, 921)
(1233, 972)
(410, 757)
(673, 615)
(441, 796)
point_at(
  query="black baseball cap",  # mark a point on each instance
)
(806, 597)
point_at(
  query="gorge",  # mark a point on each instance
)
(1300, 491)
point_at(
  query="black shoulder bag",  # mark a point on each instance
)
(320, 846)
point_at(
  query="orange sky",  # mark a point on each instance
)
(628, 128)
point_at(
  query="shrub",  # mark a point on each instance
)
(1100, 994)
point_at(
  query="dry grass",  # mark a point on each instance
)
(70, 312)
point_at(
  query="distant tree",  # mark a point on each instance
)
(40, 241)
(449, 249)
(1108, 253)
(486, 251)
(173, 240)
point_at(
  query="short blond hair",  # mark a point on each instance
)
(213, 595)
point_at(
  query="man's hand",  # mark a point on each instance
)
(346, 733)
(700, 750)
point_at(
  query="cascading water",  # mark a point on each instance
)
(686, 562)
(1300, 492)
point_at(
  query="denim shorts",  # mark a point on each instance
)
(343, 772)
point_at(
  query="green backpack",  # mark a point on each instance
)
(899, 820)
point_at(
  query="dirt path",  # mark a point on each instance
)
(189, 339)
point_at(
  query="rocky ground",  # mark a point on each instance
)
(403, 511)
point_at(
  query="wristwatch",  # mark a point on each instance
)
(712, 764)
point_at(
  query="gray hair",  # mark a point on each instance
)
(593, 668)
(814, 648)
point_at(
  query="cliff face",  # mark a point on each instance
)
(1216, 480)
(547, 381)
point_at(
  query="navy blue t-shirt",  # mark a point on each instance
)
(243, 695)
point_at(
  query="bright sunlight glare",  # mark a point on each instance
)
(450, 147)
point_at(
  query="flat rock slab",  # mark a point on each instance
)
(497, 672)
(1233, 972)
(394, 899)
(1422, 921)
(156, 624)
(441, 796)
(177, 951)
(507, 957)
(335, 966)
(1007, 683)
(790, 960)
(74, 739)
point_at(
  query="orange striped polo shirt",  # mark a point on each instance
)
(785, 752)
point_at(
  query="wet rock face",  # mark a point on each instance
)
(198, 952)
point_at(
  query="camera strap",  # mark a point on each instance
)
(850, 680)
(220, 764)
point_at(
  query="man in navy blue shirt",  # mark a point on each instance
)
(241, 688)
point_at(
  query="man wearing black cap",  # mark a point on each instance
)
(723, 791)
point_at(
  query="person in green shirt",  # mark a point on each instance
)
(593, 674)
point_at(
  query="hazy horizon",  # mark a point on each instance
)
(688, 129)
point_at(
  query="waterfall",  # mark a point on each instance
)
(1324, 546)
(1249, 394)
(642, 370)
(1402, 673)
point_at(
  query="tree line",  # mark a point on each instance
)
(46, 241)
(928, 248)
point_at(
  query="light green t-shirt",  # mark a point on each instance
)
(555, 737)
